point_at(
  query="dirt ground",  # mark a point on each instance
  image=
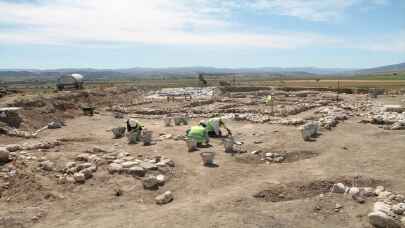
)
(235, 193)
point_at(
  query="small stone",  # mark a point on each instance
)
(379, 189)
(403, 221)
(399, 209)
(150, 183)
(136, 171)
(47, 165)
(115, 168)
(278, 159)
(118, 161)
(93, 168)
(164, 198)
(79, 177)
(61, 180)
(270, 155)
(384, 195)
(148, 165)
(338, 206)
(83, 157)
(382, 207)
(129, 164)
(382, 220)
(88, 173)
(354, 190)
(4, 155)
(161, 179)
(70, 165)
(13, 147)
(359, 198)
(70, 179)
(168, 162)
(97, 149)
(255, 152)
(368, 192)
(258, 142)
(84, 165)
(54, 125)
(399, 198)
(339, 188)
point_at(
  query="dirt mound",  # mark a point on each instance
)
(22, 187)
(296, 190)
(39, 110)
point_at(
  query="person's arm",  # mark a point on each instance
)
(216, 126)
(128, 126)
(226, 128)
(207, 139)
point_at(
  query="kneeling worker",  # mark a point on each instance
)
(134, 129)
(214, 127)
(199, 134)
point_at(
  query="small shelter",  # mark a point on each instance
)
(74, 81)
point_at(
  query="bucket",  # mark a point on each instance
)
(119, 132)
(133, 137)
(207, 158)
(228, 145)
(167, 121)
(147, 137)
(191, 145)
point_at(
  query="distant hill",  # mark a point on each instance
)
(174, 72)
(139, 72)
(383, 69)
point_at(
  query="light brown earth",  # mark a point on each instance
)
(221, 196)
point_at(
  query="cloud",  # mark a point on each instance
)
(195, 22)
(312, 10)
(199, 22)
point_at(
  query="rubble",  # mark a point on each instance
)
(386, 212)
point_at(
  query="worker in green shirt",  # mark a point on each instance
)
(199, 134)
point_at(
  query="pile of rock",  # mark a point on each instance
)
(292, 121)
(331, 116)
(274, 157)
(388, 211)
(152, 171)
(394, 120)
(137, 167)
(77, 172)
(252, 117)
(33, 146)
(16, 133)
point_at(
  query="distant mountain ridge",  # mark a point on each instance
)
(137, 72)
(383, 69)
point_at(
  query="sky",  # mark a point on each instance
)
(50, 34)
